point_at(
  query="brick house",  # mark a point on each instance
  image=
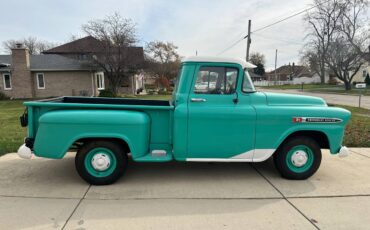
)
(85, 48)
(294, 74)
(62, 71)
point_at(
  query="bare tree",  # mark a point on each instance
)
(346, 53)
(311, 59)
(257, 58)
(163, 58)
(337, 38)
(116, 35)
(322, 22)
(34, 45)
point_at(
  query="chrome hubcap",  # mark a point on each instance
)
(100, 162)
(299, 158)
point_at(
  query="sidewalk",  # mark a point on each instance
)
(48, 194)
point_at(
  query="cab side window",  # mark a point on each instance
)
(216, 80)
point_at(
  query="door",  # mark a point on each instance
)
(221, 120)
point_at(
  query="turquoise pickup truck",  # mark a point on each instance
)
(216, 115)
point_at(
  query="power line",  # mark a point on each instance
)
(278, 39)
(232, 45)
(269, 25)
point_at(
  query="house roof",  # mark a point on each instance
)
(292, 70)
(5, 61)
(87, 44)
(91, 45)
(49, 62)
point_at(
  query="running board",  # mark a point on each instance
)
(155, 156)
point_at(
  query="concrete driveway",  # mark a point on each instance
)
(48, 194)
(341, 99)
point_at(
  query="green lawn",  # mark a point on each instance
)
(358, 129)
(12, 134)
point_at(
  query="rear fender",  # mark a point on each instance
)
(58, 130)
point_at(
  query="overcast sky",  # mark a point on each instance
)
(206, 26)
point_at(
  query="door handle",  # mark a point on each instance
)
(198, 100)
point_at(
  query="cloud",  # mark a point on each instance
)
(204, 26)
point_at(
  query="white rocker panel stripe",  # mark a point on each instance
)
(254, 155)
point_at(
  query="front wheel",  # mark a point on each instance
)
(298, 158)
(101, 162)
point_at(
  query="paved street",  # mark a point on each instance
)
(48, 194)
(350, 100)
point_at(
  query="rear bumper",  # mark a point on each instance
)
(343, 152)
(25, 150)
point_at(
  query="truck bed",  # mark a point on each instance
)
(160, 112)
(107, 101)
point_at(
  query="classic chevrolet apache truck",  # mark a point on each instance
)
(216, 115)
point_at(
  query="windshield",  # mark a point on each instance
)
(248, 86)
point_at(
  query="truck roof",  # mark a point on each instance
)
(241, 62)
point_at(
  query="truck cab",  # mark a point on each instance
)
(215, 115)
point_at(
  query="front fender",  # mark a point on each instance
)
(334, 133)
(58, 130)
(275, 124)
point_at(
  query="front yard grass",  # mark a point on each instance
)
(12, 134)
(358, 130)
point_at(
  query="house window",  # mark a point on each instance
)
(100, 81)
(40, 81)
(364, 73)
(7, 80)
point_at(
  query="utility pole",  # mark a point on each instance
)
(275, 65)
(248, 39)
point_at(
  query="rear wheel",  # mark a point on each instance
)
(298, 158)
(101, 162)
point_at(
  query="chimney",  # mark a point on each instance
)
(22, 84)
(21, 56)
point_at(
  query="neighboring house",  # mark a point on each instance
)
(296, 74)
(40, 76)
(65, 70)
(364, 70)
(256, 77)
(85, 48)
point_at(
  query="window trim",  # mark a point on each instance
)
(243, 79)
(225, 67)
(38, 82)
(10, 81)
(102, 86)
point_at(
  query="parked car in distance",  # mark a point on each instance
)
(216, 115)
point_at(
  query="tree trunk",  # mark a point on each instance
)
(322, 72)
(347, 85)
(113, 84)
